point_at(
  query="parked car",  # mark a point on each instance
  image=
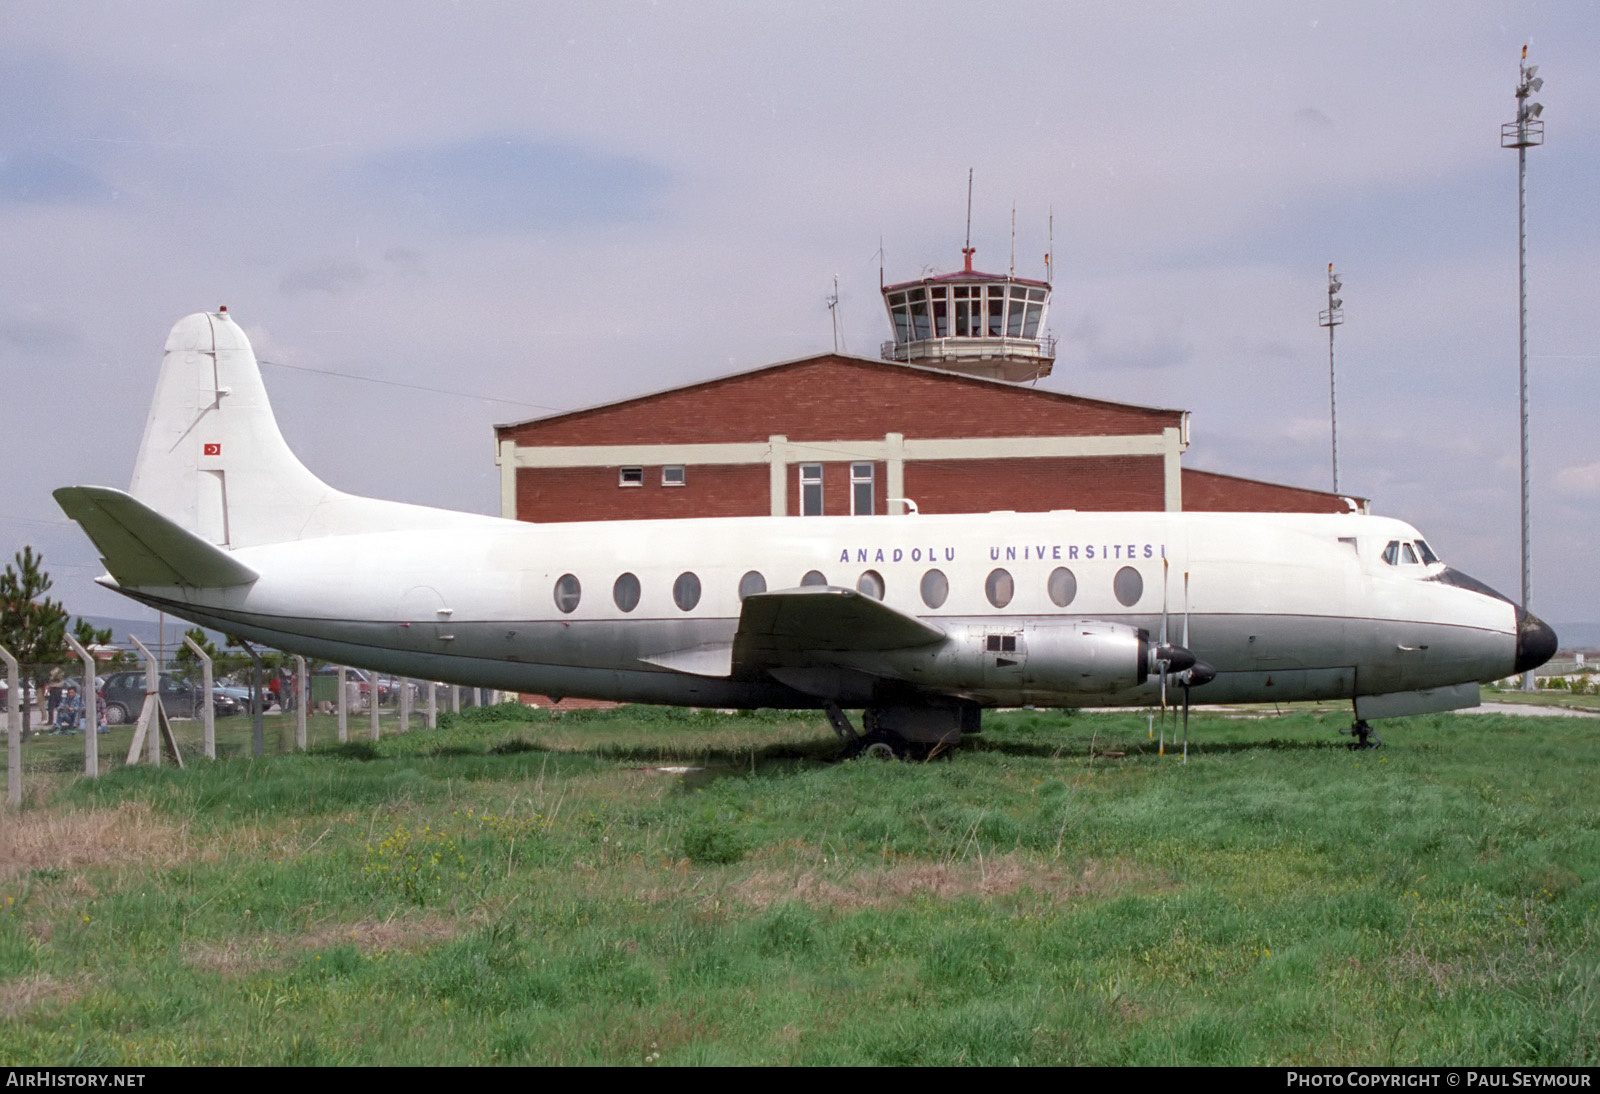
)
(124, 697)
(363, 681)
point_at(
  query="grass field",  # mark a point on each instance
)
(563, 891)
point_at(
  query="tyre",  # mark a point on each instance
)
(116, 714)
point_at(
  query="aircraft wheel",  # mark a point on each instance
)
(116, 715)
(880, 750)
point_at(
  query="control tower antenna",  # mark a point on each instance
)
(1013, 237)
(833, 312)
(966, 252)
(1050, 252)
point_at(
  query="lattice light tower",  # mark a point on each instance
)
(1330, 319)
(1524, 133)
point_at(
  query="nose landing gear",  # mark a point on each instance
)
(1364, 737)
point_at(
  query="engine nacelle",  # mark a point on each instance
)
(1067, 656)
(1085, 656)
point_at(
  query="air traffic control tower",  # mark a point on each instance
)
(975, 323)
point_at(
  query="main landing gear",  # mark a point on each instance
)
(1364, 737)
(898, 733)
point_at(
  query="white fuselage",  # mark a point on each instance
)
(1282, 606)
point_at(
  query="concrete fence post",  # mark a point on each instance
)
(13, 730)
(207, 681)
(372, 691)
(91, 711)
(344, 705)
(300, 698)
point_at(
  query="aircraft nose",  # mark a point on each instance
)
(1536, 642)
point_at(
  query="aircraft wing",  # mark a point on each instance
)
(782, 628)
(139, 546)
(826, 618)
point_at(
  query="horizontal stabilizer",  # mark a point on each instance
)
(824, 618)
(140, 547)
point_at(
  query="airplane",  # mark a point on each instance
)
(921, 620)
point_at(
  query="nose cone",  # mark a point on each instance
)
(1536, 642)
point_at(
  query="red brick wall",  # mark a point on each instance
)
(592, 493)
(1207, 491)
(832, 398)
(1105, 483)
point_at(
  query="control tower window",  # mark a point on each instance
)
(902, 316)
(919, 317)
(1014, 326)
(966, 315)
(941, 312)
(997, 310)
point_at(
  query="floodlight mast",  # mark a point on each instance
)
(1524, 133)
(1330, 319)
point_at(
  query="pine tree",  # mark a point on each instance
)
(32, 626)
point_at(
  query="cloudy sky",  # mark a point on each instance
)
(499, 210)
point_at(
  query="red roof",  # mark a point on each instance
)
(968, 275)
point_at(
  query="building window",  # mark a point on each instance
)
(811, 490)
(861, 489)
(631, 476)
(672, 476)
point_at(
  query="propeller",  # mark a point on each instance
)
(1189, 674)
(1161, 664)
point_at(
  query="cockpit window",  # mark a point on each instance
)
(1398, 553)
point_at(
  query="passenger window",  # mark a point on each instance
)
(626, 592)
(871, 583)
(999, 588)
(813, 578)
(751, 584)
(686, 591)
(1128, 586)
(568, 592)
(935, 588)
(1063, 586)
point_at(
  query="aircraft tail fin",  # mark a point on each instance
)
(141, 547)
(212, 459)
(214, 463)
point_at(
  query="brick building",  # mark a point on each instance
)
(940, 423)
(837, 435)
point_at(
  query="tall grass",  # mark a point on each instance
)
(538, 889)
